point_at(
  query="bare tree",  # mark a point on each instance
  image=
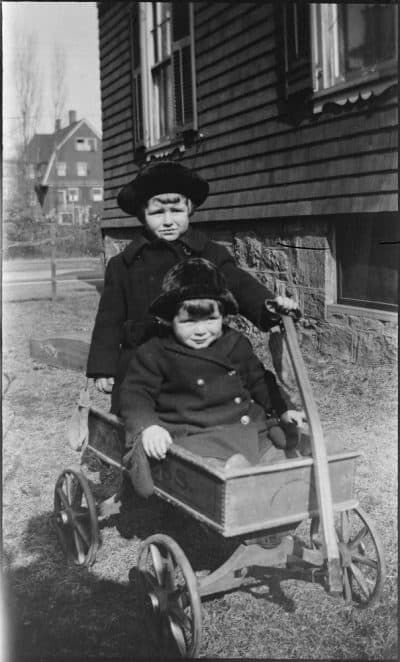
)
(28, 94)
(27, 80)
(58, 80)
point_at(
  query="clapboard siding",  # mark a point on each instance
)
(218, 14)
(258, 164)
(116, 96)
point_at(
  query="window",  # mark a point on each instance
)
(337, 51)
(61, 168)
(367, 257)
(85, 144)
(73, 195)
(65, 218)
(297, 45)
(97, 194)
(61, 197)
(352, 42)
(164, 104)
(81, 169)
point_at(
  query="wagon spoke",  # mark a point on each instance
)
(183, 619)
(78, 547)
(177, 634)
(83, 534)
(360, 535)
(63, 497)
(149, 580)
(68, 488)
(359, 558)
(358, 576)
(346, 587)
(180, 597)
(344, 526)
(158, 563)
(169, 570)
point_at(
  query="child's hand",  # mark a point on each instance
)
(104, 384)
(156, 440)
(293, 416)
(283, 306)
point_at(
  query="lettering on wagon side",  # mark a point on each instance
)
(190, 485)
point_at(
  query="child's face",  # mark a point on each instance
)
(198, 332)
(167, 215)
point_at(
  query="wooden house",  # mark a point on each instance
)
(66, 170)
(289, 110)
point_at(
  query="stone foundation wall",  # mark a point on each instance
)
(295, 257)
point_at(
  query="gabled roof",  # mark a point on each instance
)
(41, 148)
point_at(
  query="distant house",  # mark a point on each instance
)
(289, 110)
(66, 169)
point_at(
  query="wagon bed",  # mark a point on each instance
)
(239, 501)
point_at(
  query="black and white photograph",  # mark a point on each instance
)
(200, 252)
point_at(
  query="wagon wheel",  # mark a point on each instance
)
(172, 600)
(76, 517)
(362, 556)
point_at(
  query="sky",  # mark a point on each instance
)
(73, 25)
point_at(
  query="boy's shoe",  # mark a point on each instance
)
(237, 461)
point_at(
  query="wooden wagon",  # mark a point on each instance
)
(259, 507)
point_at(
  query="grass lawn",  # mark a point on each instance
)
(61, 612)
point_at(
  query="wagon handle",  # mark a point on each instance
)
(321, 470)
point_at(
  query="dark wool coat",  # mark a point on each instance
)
(133, 280)
(212, 401)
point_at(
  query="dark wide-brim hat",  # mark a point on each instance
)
(162, 177)
(194, 278)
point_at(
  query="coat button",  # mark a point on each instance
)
(237, 400)
(245, 420)
(200, 382)
(231, 373)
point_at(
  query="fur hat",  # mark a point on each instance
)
(195, 278)
(161, 177)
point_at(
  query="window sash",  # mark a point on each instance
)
(81, 168)
(97, 194)
(367, 259)
(61, 197)
(167, 76)
(73, 195)
(85, 144)
(328, 22)
(61, 168)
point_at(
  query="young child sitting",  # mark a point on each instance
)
(200, 385)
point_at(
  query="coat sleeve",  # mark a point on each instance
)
(250, 294)
(108, 326)
(140, 389)
(261, 383)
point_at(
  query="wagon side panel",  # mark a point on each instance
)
(283, 495)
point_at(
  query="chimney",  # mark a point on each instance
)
(58, 125)
(72, 116)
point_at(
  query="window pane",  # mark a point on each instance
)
(368, 259)
(163, 99)
(161, 32)
(369, 35)
(181, 19)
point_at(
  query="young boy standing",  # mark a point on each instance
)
(163, 196)
(200, 384)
